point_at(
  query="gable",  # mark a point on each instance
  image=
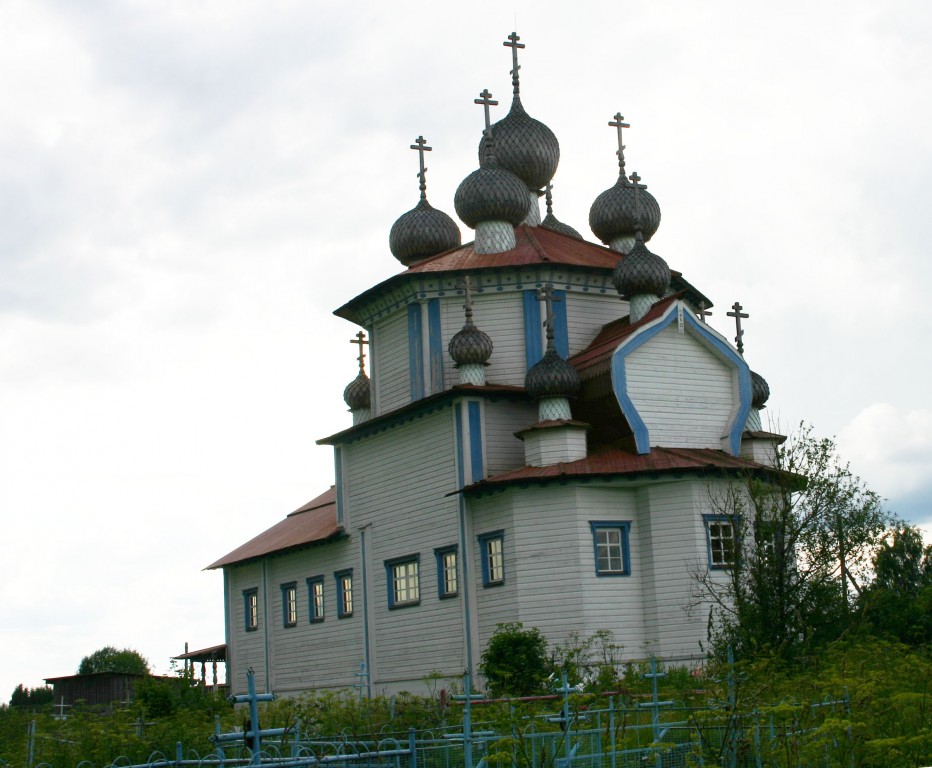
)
(679, 383)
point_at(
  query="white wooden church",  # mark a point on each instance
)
(540, 438)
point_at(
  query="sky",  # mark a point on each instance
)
(188, 190)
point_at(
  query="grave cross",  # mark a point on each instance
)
(360, 340)
(513, 43)
(737, 315)
(619, 124)
(421, 146)
(546, 295)
(703, 312)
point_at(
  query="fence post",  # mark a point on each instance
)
(30, 743)
(412, 745)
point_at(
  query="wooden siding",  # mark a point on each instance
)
(390, 364)
(587, 312)
(684, 393)
(245, 649)
(397, 486)
(504, 451)
(501, 315)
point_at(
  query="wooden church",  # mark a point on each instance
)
(540, 439)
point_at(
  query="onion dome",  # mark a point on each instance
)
(552, 223)
(760, 390)
(356, 394)
(523, 145)
(423, 231)
(491, 194)
(470, 346)
(641, 272)
(552, 376)
(615, 212)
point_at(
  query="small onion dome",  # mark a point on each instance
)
(491, 194)
(760, 390)
(356, 394)
(552, 376)
(641, 273)
(524, 146)
(470, 346)
(421, 233)
(552, 223)
(613, 213)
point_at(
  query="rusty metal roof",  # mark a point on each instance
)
(312, 523)
(615, 461)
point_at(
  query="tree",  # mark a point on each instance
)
(109, 659)
(31, 697)
(515, 662)
(898, 603)
(804, 534)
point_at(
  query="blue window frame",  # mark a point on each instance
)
(290, 604)
(251, 609)
(447, 572)
(344, 581)
(610, 542)
(315, 598)
(720, 531)
(404, 581)
(492, 552)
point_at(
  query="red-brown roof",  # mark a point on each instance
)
(312, 523)
(614, 461)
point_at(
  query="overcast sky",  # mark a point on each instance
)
(187, 191)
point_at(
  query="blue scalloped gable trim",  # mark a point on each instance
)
(620, 382)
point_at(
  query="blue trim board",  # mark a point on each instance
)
(458, 425)
(415, 352)
(476, 470)
(533, 350)
(724, 351)
(365, 613)
(561, 334)
(436, 345)
(625, 527)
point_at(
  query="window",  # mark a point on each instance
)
(289, 604)
(610, 540)
(403, 581)
(720, 534)
(315, 598)
(344, 593)
(447, 577)
(251, 606)
(491, 547)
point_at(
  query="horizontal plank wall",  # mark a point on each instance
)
(390, 362)
(684, 393)
(397, 483)
(587, 312)
(502, 419)
(247, 649)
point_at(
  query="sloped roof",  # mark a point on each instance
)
(617, 462)
(312, 523)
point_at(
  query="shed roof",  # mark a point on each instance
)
(312, 523)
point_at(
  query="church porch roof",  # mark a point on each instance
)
(312, 523)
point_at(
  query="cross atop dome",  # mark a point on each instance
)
(361, 341)
(421, 146)
(512, 42)
(619, 123)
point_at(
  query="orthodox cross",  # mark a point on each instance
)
(635, 179)
(514, 45)
(546, 295)
(360, 340)
(617, 123)
(465, 285)
(703, 312)
(421, 146)
(486, 101)
(737, 315)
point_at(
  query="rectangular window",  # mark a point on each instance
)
(344, 593)
(447, 577)
(315, 598)
(404, 586)
(251, 604)
(492, 547)
(720, 535)
(289, 604)
(610, 540)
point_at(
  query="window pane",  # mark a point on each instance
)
(448, 562)
(405, 582)
(317, 594)
(346, 594)
(496, 567)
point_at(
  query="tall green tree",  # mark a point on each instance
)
(110, 659)
(804, 536)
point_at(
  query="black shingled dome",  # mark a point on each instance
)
(421, 233)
